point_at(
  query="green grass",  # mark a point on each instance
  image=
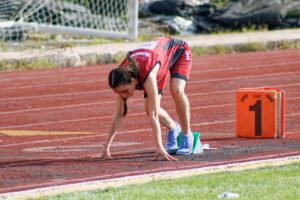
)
(248, 47)
(281, 182)
(30, 64)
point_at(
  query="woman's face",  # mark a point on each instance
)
(125, 90)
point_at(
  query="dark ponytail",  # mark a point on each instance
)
(125, 108)
(123, 75)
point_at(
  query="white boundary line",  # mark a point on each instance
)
(263, 76)
(73, 138)
(100, 71)
(111, 102)
(54, 95)
(146, 178)
(105, 134)
(228, 68)
(70, 82)
(191, 83)
(130, 115)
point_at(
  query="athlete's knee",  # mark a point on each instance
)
(177, 92)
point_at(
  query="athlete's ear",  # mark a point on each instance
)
(133, 81)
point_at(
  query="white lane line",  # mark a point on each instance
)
(109, 117)
(293, 132)
(138, 114)
(132, 100)
(54, 108)
(53, 84)
(99, 81)
(256, 77)
(66, 139)
(292, 114)
(230, 121)
(131, 115)
(102, 135)
(62, 73)
(137, 99)
(54, 74)
(55, 95)
(79, 105)
(77, 148)
(52, 140)
(228, 68)
(191, 84)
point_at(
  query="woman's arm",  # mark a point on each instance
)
(116, 122)
(152, 107)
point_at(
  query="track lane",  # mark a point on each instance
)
(36, 161)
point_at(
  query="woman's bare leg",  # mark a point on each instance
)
(181, 103)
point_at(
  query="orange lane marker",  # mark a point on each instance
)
(260, 113)
(41, 133)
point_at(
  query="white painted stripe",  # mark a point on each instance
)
(135, 100)
(52, 140)
(99, 81)
(264, 76)
(293, 132)
(41, 133)
(80, 148)
(136, 114)
(292, 114)
(53, 84)
(191, 83)
(65, 139)
(63, 73)
(95, 136)
(108, 117)
(228, 68)
(53, 95)
(212, 122)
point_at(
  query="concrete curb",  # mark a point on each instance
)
(108, 53)
(142, 179)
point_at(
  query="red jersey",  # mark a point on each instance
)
(165, 51)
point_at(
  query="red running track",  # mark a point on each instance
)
(54, 122)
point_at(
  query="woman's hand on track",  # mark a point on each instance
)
(164, 154)
(106, 154)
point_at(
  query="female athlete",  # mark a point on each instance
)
(146, 68)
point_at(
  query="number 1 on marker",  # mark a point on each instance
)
(257, 110)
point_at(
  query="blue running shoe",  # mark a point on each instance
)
(172, 135)
(186, 144)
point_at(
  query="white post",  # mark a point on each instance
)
(133, 18)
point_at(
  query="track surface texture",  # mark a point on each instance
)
(54, 122)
